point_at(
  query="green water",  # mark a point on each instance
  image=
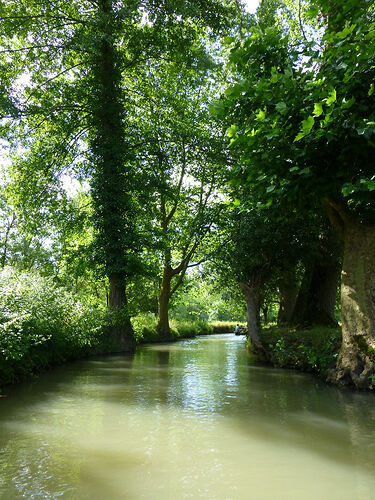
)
(196, 419)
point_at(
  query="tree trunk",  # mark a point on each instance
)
(252, 293)
(315, 304)
(122, 337)
(114, 209)
(5, 250)
(321, 298)
(288, 296)
(356, 361)
(163, 327)
(297, 317)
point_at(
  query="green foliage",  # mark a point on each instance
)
(205, 298)
(145, 328)
(315, 349)
(227, 326)
(42, 325)
(304, 121)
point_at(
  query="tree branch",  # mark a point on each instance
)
(50, 80)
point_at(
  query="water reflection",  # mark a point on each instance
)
(197, 419)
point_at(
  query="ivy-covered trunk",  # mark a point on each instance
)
(163, 327)
(356, 361)
(112, 180)
(121, 340)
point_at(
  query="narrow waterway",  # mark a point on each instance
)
(195, 419)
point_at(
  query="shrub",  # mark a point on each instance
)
(41, 324)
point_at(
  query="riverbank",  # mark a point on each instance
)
(145, 331)
(312, 350)
(38, 341)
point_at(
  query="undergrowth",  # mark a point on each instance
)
(314, 349)
(42, 325)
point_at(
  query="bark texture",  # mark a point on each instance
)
(252, 290)
(356, 361)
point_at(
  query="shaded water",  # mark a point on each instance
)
(196, 419)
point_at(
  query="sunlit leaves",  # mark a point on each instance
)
(318, 109)
(331, 98)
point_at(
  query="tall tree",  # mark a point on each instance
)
(72, 108)
(182, 154)
(306, 125)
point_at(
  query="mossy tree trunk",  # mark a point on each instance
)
(122, 339)
(356, 361)
(163, 327)
(252, 291)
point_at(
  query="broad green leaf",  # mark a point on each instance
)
(312, 11)
(369, 183)
(347, 189)
(308, 124)
(346, 31)
(332, 97)
(228, 40)
(274, 76)
(261, 115)
(318, 109)
(300, 136)
(347, 104)
(371, 91)
(281, 107)
(305, 171)
(232, 130)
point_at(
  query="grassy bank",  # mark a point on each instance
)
(145, 329)
(227, 326)
(312, 350)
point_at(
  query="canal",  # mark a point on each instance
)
(194, 419)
